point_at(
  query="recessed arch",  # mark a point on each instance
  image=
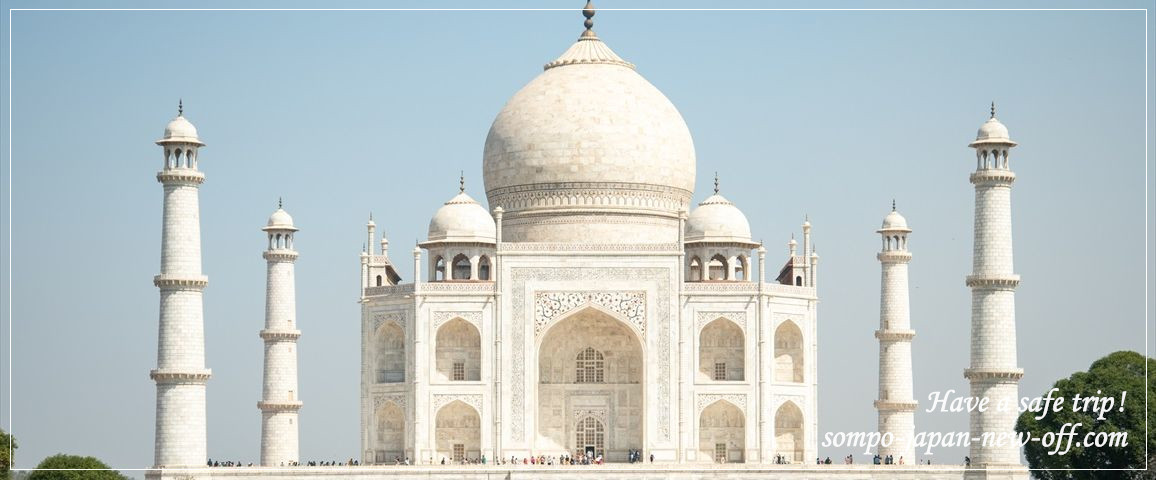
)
(389, 433)
(461, 267)
(484, 268)
(741, 268)
(722, 432)
(789, 432)
(458, 351)
(721, 354)
(439, 270)
(695, 269)
(611, 346)
(717, 268)
(458, 432)
(389, 353)
(788, 353)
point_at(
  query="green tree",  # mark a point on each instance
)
(61, 460)
(7, 451)
(1111, 375)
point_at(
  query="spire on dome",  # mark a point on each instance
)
(716, 183)
(180, 107)
(462, 182)
(993, 109)
(892, 204)
(278, 202)
(588, 12)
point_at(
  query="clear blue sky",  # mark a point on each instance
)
(826, 113)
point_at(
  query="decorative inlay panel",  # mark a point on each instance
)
(549, 306)
(442, 317)
(703, 318)
(441, 400)
(599, 413)
(380, 399)
(397, 317)
(737, 399)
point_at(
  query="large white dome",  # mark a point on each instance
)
(589, 142)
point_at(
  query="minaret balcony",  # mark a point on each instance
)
(180, 282)
(894, 256)
(896, 405)
(279, 255)
(195, 376)
(993, 177)
(275, 335)
(279, 406)
(181, 176)
(895, 335)
(1012, 374)
(993, 282)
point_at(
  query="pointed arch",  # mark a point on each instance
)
(461, 267)
(695, 274)
(717, 268)
(741, 268)
(721, 354)
(389, 353)
(484, 268)
(789, 432)
(458, 351)
(722, 432)
(439, 270)
(389, 432)
(788, 353)
(458, 430)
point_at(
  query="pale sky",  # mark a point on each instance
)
(830, 114)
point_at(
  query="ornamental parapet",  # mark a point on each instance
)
(894, 256)
(279, 406)
(274, 335)
(181, 176)
(283, 255)
(895, 334)
(560, 247)
(1012, 374)
(180, 282)
(993, 177)
(390, 290)
(180, 376)
(993, 282)
(464, 286)
(896, 405)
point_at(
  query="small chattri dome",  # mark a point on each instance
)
(180, 130)
(462, 219)
(280, 219)
(717, 220)
(992, 131)
(894, 222)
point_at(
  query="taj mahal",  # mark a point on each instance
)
(586, 309)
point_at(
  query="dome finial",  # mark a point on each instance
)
(993, 109)
(278, 202)
(892, 204)
(180, 107)
(716, 183)
(462, 182)
(588, 12)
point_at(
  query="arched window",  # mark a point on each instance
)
(741, 268)
(798, 281)
(484, 268)
(591, 367)
(695, 269)
(379, 280)
(461, 267)
(717, 268)
(439, 269)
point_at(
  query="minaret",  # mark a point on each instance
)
(896, 403)
(993, 373)
(180, 374)
(279, 404)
